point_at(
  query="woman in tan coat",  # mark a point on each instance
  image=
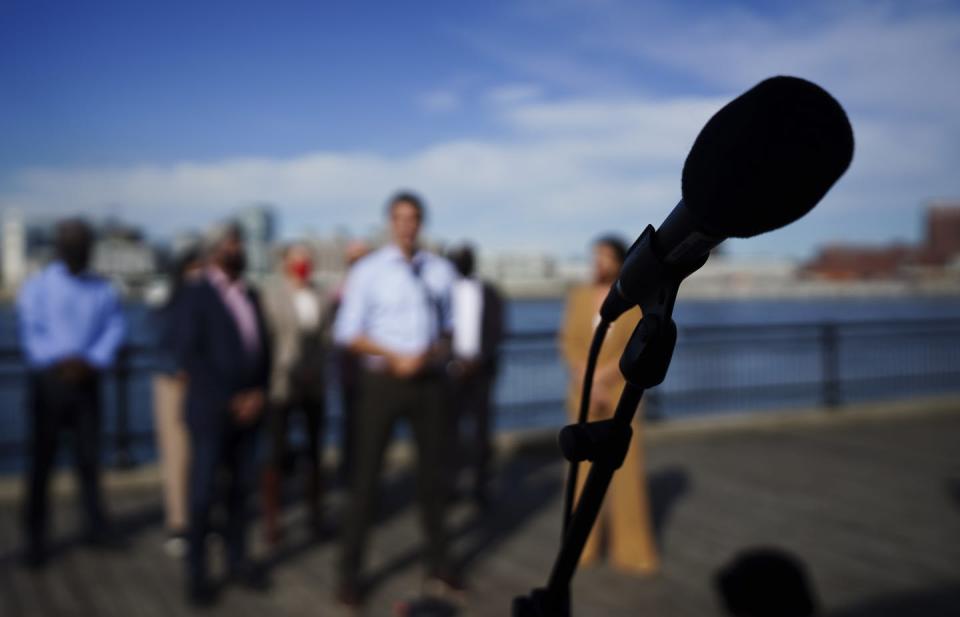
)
(623, 529)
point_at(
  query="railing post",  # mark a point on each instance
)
(123, 458)
(830, 364)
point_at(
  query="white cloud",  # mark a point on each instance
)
(566, 167)
(892, 65)
(508, 94)
(440, 101)
(562, 169)
(874, 56)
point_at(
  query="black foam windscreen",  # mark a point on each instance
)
(766, 158)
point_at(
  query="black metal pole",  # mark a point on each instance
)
(583, 417)
(830, 358)
(594, 490)
(644, 364)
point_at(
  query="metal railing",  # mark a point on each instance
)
(756, 367)
(715, 369)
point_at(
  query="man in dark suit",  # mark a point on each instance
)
(478, 329)
(222, 348)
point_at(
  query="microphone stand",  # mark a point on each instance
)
(644, 364)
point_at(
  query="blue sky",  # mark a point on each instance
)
(527, 125)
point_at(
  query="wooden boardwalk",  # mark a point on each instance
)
(871, 507)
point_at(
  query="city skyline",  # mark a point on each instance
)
(140, 265)
(527, 126)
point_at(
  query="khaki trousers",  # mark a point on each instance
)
(173, 446)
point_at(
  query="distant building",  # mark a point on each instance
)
(573, 270)
(329, 264)
(27, 246)
(845, 262)
(259, 228)
(942, 233)
(939, 249)
(528, 274)
(120, 251)
(727, 273)
(185, 240)
(509, 268)
(122, 254)
(14, 256)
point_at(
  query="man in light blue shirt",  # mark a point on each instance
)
(395, 308)
(395, 315)
(71, 326)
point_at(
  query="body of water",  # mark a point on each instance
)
(717, 367)
(743, 355)
(526, 315)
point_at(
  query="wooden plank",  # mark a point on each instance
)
(868, 507)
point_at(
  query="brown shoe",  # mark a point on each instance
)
(445, 585)
(348, 597)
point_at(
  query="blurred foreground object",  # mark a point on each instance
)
(761, 162)
(766, 582)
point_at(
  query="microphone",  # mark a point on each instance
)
(761, 162)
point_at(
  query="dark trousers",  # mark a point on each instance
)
(313, 408)
(228, 454)
(349, 373)
(473, 447)
(349, 395)
(56, 407)
(383, 401)
(278, 421)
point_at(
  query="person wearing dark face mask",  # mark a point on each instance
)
(71, 326)
(296, 318)
(223, 350)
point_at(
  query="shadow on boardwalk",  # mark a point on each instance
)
(871, 508)
(943, 601)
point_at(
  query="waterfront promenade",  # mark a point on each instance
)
(868, 498)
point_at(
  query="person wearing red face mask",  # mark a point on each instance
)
(295, 313)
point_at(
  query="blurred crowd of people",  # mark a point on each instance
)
(409, 336)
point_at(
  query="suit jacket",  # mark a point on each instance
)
(209, 349)
(491, 328)
(293, 353)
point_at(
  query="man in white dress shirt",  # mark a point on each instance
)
(395, 314)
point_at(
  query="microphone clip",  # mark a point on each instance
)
(646, 277)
